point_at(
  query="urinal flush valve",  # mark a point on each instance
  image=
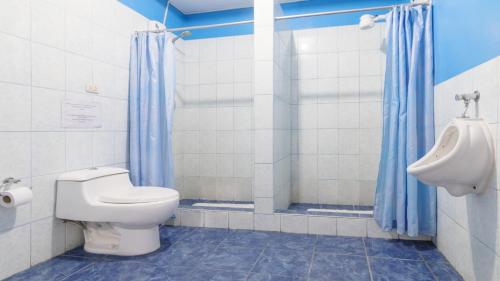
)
(466, 98)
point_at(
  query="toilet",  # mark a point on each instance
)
(462, 160)
(118, 218)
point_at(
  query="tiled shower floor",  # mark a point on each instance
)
(204, 254)
(190, 204)
(302, 208)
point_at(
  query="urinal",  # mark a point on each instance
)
(462, 160)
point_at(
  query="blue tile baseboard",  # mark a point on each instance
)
(201, 254)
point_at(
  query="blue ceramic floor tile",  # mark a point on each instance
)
(80, 252)
(303, 206)
(341, 245)
(331, 267)
(173, 234)
(291, 263)
(55, 269)
(269, 277)
(232, 258)
(200, 254)
(121, 271)
(363, 208)
(385, 269)
(444, 272)
(216, 275)
(337, 207)
(207, 234)
(183, 253)
(290, 241)
(247, 238)
(429, 252)
(399, 249)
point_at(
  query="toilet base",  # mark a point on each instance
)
(120, 240)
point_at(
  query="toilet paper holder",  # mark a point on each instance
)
(8, 182)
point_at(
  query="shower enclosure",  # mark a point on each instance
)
(275, 126)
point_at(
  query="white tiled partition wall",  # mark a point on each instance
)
(49, 51)
(337, 85)
(469, 226)
(282, 117)
(213, 124)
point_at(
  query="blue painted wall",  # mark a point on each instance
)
(214, 18)
(466, 34)
(152, 9)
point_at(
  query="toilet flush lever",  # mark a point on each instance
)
(466, 98)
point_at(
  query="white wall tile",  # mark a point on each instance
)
(192, 218)
(15, 18)
(216, 219)
(102, 147)
(225, 48)
(78, 150)
(208, 72)
(328, 166)
(244, 47)
(328, 40)
(328, 65)
(46, 109)
(322, 225)
(48, 67)
(47, 239)
(16, 242)
(15, 105)
(44, 196)
(241, 220)
(48, 152)
(209, 50)
(349, 36)
(17, 155)
(351, 227)
(15, 60)
(267, 222)
(348, 64)
(47, 23)
(294, 223)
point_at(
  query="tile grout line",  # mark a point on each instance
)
(367, 259)
(312, 259)
(428, 267)
(257, 261)
(66, 277)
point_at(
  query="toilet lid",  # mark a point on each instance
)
(140, 195)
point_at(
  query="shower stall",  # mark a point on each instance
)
(281, 125)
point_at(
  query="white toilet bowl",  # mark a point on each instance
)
(462, 160)
(119, 219)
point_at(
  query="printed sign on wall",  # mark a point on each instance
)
(81, 114)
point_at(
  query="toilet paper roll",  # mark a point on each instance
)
(15, 197)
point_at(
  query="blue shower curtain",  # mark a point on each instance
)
(401, 201)
(151, 108)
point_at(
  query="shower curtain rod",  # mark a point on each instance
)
(349, 11)
(197, 27)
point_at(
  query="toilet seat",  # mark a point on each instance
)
(139, 195)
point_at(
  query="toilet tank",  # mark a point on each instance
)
(78, 191)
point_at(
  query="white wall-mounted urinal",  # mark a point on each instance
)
(462, 160)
